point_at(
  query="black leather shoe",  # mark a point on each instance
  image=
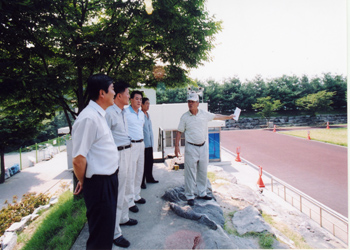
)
(143, 186)
(205, 198)
(130, 222)
(134, 209)
(121, 242)
(141, 201)
(190, 202)
(152, 181)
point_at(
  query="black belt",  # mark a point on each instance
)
(137, 141)
(120, 148)
(198, 145)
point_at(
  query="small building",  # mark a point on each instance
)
(165, 120)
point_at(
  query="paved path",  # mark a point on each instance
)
(45, 177)
(317, 169)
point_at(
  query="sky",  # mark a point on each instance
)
(272, 38)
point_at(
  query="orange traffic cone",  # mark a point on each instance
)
(274, 128)
(308, 135)
(260, 181)
(238, 159)
(327, 125)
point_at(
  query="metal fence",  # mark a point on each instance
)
(28, 156)
(327, 218)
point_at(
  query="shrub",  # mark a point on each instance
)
(16, 211)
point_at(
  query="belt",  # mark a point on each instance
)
(198, 145)
(137, 141)
(120, 148)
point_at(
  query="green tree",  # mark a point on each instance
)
(50, 47)
(267, 107)
(336, 84)
(312, 103)
(285, 88)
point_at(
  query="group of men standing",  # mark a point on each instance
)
(113, 156)
(109, 158)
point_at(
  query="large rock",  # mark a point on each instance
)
(249, 220)
(205, 212)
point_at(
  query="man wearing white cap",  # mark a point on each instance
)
(194, 123)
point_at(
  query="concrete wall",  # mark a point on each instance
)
(285, 121)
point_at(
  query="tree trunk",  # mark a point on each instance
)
(2, 174)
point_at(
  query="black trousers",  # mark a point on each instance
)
(148, 165)
(100, 195)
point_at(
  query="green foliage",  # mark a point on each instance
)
(16, 211)
(61, 226)
(224, 97)
(266, 240)
(315, 102)
(49, 48)
(267, 107)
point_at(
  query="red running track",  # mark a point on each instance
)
(317, 169)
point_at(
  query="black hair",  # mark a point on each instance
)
(145, 99)
(120, 86)
(136, 92)
(97, 82)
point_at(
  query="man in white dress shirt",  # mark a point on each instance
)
(117, 122)
(95, 163)
(194, 123)
(136, 119)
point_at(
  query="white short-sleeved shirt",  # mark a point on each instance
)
(135, 123)
(195, 127)
(92, 138)
(116, 120)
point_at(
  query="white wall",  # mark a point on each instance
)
(150, 94)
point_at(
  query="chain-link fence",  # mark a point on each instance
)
(28, 156)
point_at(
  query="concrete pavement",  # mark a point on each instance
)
(45, 177)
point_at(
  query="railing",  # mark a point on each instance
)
(28, 156)
(160, 145)
(327, 218)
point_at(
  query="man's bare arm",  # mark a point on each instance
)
(177, 140)
(79, 167)
(223, 117)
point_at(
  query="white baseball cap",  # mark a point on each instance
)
(193, 97)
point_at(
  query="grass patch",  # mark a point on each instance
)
(298, 240)
(228, 226)
(211, 176)
(60, 227)
(265, 239)
(337, 136)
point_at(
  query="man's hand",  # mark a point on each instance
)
(78, 188)
(177, 140)
(177, 151)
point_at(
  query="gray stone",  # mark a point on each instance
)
(188, 213)
(16, 227)
(249, 220)
(205, 212)
(38, 209)
(53, 201)
(9, 241)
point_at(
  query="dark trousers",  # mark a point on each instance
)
(148, 165)
(100, 195)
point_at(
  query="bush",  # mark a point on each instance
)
(16, 211)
